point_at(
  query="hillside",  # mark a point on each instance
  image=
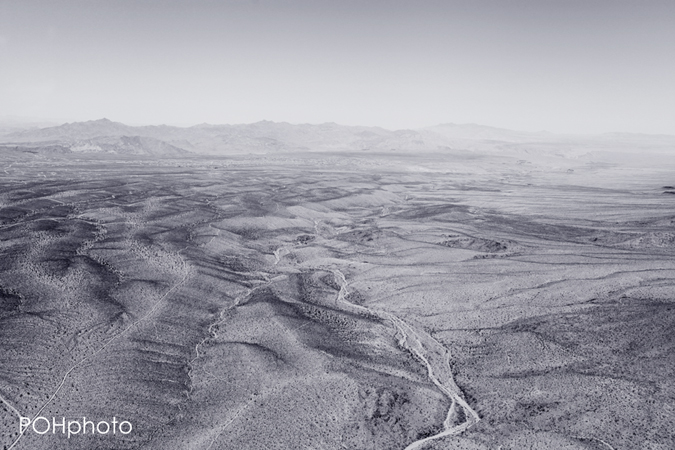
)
(105, 137)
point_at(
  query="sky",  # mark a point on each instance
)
(563, 66)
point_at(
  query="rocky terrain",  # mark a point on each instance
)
(457, 300)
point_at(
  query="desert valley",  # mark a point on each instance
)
(276, 286)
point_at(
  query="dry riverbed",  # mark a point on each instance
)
(361, 304)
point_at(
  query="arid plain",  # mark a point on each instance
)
(339, 301)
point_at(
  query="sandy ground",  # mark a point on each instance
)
(337, 302)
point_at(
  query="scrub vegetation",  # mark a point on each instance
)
(337, 301)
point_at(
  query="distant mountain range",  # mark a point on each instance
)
(113, 138)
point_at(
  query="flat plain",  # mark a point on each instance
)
(339, 301)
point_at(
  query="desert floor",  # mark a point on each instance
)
(338, 302)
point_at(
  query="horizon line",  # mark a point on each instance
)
(38, 123)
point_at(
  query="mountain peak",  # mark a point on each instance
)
(103, 121)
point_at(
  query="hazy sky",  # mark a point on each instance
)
(557, 65)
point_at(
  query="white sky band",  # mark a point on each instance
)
(558, 65)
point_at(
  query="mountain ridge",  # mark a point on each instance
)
(107, 136)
